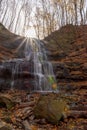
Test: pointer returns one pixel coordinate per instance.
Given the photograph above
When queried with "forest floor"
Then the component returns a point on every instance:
(16, 112)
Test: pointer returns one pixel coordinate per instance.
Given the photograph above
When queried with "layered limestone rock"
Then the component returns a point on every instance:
(9, 44)
(68, 53)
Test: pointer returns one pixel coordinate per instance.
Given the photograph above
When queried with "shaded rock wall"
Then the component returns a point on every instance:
(17, 75)
(68, 53)
(9, 44)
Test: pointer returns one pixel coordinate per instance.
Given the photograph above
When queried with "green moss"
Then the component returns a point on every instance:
(51, 79)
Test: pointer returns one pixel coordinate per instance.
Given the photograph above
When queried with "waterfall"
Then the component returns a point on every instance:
(41, 69)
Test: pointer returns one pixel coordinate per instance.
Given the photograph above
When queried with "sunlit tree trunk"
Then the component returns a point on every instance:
(75, 8)
(5, 11)
(81, 9)
(14, 7)
(0, 4)
(18, 17)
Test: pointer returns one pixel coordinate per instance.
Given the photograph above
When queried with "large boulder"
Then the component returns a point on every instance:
(50, 108)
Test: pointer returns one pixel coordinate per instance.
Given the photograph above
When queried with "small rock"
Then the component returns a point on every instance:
(4, 126)
(26, 125)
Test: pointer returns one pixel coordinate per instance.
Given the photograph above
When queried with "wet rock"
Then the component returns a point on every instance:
(16, 73)
(53, 110)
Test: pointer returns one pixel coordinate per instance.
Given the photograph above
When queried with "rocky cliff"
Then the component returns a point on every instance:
(9, 44)
(68, 53)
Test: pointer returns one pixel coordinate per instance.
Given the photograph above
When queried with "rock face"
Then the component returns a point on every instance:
(9, 44)
(69, 56)
(16, 74)
(28, 68)
(68, 53)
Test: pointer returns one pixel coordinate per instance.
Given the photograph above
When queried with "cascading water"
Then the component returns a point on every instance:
(41, 69)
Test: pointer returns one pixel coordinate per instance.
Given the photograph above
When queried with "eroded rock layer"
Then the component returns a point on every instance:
(68, 53)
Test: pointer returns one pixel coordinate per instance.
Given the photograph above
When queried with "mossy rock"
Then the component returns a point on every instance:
(53, 110)
(5, 101)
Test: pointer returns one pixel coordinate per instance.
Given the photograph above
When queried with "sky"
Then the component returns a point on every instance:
(30, 31)
(18, 22)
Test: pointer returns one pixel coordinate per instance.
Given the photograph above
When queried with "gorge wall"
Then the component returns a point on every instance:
(9, 44)
(67, 50)
(68, 53)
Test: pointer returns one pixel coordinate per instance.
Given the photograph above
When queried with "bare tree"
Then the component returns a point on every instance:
(45, 16)
(6, 9)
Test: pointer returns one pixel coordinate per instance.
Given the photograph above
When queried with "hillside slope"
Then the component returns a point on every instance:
(9, 42)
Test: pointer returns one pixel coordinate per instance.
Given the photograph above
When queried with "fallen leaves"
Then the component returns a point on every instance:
(21, 116)
(33, 127)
